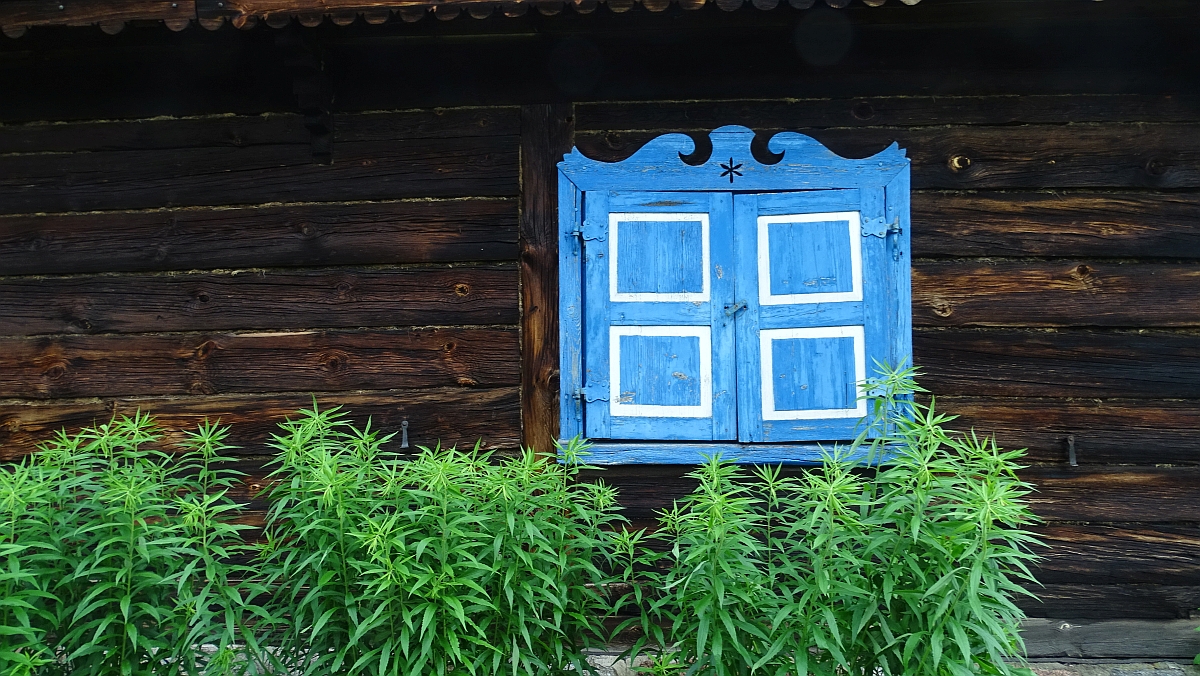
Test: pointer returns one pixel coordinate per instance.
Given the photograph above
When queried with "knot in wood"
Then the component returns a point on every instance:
(334, 361)
(1155, 167)
(461, 289)
(943, 308)
(344, 288)
(56, 371)
(862, 111)
(958, 163)
(203, 350)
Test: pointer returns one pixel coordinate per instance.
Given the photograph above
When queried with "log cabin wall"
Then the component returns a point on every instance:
(182, 234)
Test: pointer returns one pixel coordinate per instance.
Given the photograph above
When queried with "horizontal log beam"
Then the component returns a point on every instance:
(1112, 555)
(363, 233)
(220, 363)
(1031, 156)
(259, 299)
(1055, 293)
(1053, 363)
(450, 415)
(212, 176)
(1103, 602)
(1111, 639)
(1070, 224)
(1118, 431)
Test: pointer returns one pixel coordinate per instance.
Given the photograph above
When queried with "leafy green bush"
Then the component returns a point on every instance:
(450, 563)
(908, 567)
(116, 554)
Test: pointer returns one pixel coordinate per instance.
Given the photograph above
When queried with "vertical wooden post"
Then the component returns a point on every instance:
(547, 132)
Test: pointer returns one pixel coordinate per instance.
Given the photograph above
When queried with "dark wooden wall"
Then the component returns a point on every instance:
(180, 234)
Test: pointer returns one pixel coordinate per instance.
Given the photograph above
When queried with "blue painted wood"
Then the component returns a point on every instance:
(811, 257)
(626, 453)
(660, 370)
(656, 255)
(570, 309)
(806, 164)
(813, 373)
(660, 257)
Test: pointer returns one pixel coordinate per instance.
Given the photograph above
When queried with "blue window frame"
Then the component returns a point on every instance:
(729, 306)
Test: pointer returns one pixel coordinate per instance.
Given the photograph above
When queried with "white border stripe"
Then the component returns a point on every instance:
(765, 297)
(616, 217)
(766, 358)
(617, 408)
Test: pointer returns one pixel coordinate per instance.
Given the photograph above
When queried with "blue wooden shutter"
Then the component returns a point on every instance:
(816, 273)
(658, 342)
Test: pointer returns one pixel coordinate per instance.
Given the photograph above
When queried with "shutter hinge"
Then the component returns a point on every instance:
(581, 395)
(879, 227)
(578, 232)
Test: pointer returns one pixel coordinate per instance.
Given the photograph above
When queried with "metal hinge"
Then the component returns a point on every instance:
(879, 227)
(731, 310)
(581, 395)
(578, 232)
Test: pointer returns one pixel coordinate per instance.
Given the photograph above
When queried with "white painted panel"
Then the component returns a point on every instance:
(619, 408)
(613, 248)
(766, 359)
(765, 297)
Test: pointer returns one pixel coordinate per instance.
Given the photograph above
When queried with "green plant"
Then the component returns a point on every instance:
(116, 554)
(449, 563)
(905, 566)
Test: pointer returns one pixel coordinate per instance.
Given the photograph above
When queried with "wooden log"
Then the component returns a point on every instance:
(545, 136)
(1070, 224)
(1128, 554)
(1115, 494)
(84, 12)
(880, 111)
(305, 361)
(1121, 431)
(362, 170)
(1111, 639)
(1056, 363)
(364, 233)
(1055, 293)
(259, 299)
(451, 415)
(1032, 156)
(1103, 602)
(245, 131)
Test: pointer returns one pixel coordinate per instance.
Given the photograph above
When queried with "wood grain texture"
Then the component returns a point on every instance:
(1125, 554)
(1055, 293)
(259, 299)
(1032, 156)
(1120, 431)
(1115, 493)
(364, 233)
(1051, 363)
(452, 415)
(361, 170)
(546, 134)
(87, 12)
(1118, 224)
(307, 361)
(883, 111)
(1104, 602)
(1112, 639)
(242, 131)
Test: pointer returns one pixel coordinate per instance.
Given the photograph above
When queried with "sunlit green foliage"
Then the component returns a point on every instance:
(905, 567)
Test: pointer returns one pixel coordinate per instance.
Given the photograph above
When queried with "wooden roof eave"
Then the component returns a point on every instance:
(17, 16)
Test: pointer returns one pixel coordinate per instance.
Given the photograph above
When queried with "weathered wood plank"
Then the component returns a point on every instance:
(361, 170)
(1071, 224)
(307, 361)
(1115, 494)
(244, 131)
(1054, 363)
(363, 233)
(1127, 554)
(259, 299)
(1055, 293)
(82, 13)
(1032, 156)
(1113, 639)
(1120, 431)
(452, 415)
(546, 135)
(880, 111)
(1102, 602)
